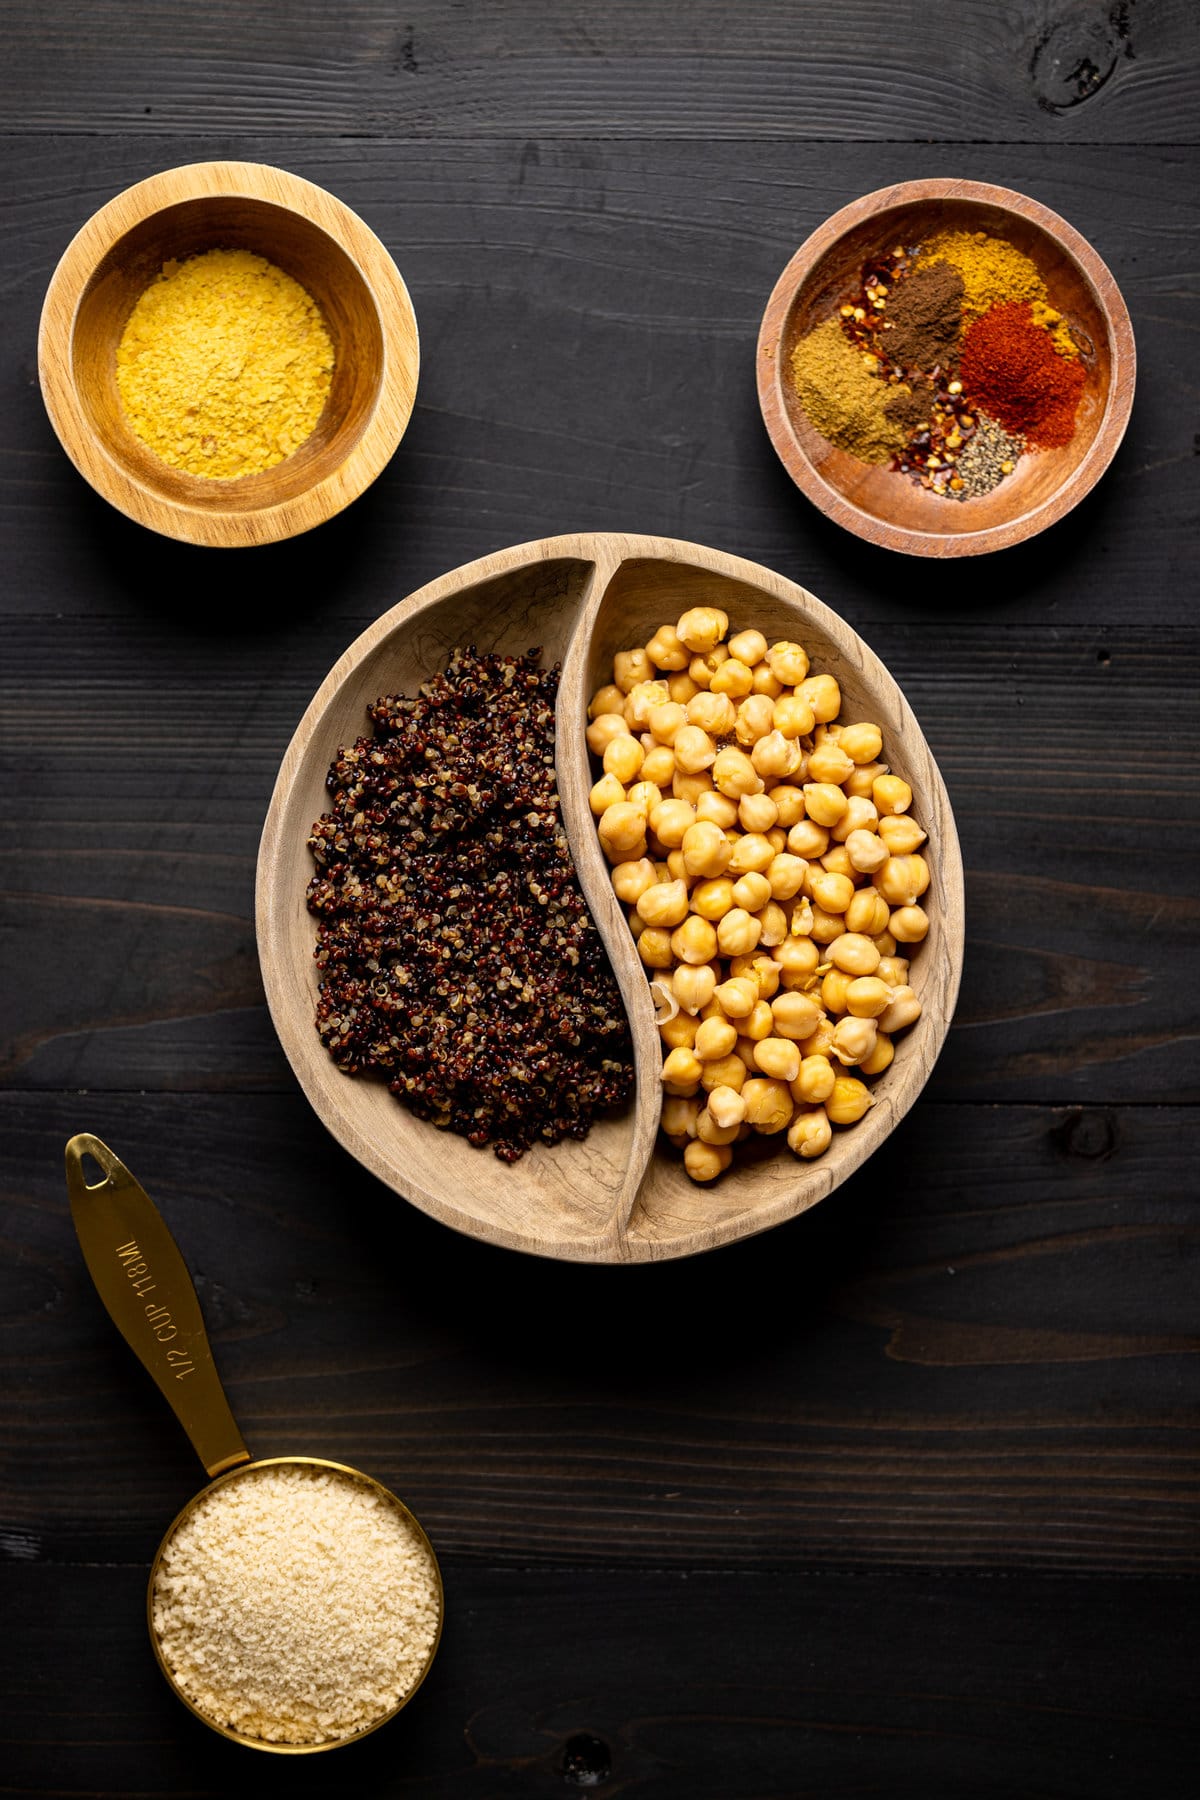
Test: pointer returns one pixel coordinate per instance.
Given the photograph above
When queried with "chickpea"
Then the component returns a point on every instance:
(679, 1033)
(836, 862)
(901, 834)
(654, 946)
(795, 1016)
(737, 997)
(752, 891)
(858, 783)
(691, 788)
(788, 662)
(757, 813)
(774, 922)
(754, 719)
(702, 628)
(777, 838)
(854, 953)
(664, 904)
(645, 795)
(810, 1134)
(862, 743)
(860, 815)
(891, 795)
(807, 838)
(824, 802)
(848, 1102)
(724, 1071)
(834, 989)
(832, 893)
(733, 678)
(734, 774)
(670, 820)
(904, 1010)
(665, 650)
(909, 924)
(706, 850)
(693, 988)
(885, 943)
(902, 879)
(826, 927)
(681, 687)
(726, 1106)
(776, 756)
(694, 750)
(605, 793)
(695, 941)
(717, 809)
(631, 879)
(893, 970)
(665, 720)
(778, 1057)
(824, 695)
(792, 716)
(760, 1024)
(607, 700)
(702, 668)
(764, 971)
(630, 667)
(738, 932)
(678, 1118)
(714, 713)
(880, 1057)
(828, 762)
(789, 803)
(853, 1039)
(866, 914)
(768, 1104)
(814, 1082)
(821, 1041)
(640, 701)
(709, 1132)
(622, 827)
(601, 732)
(659, 766)
(623, 758)
(681, 1069)
(765, 682)
(713, 899)
(867, 852)
(752, 853)
(715, 1038)
(867, 997)
(785, 875)
(704, 1162)
(798, 958)
(748, 646)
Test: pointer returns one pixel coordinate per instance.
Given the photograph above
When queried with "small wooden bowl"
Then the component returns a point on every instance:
(889, 508)
(312, 237)
(621, 1195)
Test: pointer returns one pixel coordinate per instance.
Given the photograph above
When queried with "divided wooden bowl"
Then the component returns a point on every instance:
(622, 1194)
(888, 508)
(312, 237)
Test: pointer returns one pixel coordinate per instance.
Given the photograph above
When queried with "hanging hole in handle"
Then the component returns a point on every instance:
(88, 1164)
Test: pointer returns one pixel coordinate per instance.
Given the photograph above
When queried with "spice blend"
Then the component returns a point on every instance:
(949, 341)
(296, 1605)
(769, 862)
(458, 958)
(224, 365)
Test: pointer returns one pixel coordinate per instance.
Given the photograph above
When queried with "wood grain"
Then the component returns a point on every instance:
(318, 242)
(633, 410)
(1101, 73)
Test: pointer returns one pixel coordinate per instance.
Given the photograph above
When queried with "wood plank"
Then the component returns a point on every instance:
(127, 904)
(980, 1354)
(588, 316)
(730, 1687)
(1112, 72)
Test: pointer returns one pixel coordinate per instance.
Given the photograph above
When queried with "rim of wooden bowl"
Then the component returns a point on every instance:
(867, 525)
(119, 484)
(793, 1185)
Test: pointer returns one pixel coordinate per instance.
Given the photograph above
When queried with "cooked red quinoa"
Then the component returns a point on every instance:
(457, 954)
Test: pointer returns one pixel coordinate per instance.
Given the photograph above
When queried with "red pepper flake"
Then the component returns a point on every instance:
(1012, 370)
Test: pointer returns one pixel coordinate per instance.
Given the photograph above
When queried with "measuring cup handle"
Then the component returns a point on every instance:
(143, 1281)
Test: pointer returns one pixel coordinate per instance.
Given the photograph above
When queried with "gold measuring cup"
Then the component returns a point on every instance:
(143, 1281)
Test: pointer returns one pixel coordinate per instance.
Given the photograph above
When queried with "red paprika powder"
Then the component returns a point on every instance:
(1011, 370)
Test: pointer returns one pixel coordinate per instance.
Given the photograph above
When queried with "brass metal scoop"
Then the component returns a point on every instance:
(143, 1281)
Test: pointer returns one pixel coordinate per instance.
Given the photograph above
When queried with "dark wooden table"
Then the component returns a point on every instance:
(900, 1499)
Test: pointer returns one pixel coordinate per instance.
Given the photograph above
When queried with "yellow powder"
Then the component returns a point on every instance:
(224, 366)
(993, 272)
(844, 400)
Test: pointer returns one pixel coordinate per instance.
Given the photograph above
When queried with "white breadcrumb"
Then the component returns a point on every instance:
(296, 1605)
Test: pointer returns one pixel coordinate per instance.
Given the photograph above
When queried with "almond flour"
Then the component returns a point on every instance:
(296, 1605)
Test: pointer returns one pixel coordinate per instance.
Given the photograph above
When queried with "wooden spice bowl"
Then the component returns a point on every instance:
(889, 508)
(622, 1194)
(312, 237)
